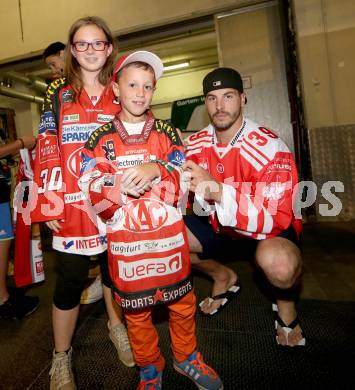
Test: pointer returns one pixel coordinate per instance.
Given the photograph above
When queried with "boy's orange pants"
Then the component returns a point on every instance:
(144, 337)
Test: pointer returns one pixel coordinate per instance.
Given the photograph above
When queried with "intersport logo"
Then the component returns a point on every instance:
(145, 215)
(147, 268)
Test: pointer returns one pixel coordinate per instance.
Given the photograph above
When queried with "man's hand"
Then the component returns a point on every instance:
(136, 181)
(54, 225)
(201, 182)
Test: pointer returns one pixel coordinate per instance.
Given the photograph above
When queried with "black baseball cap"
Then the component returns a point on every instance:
(222, 78)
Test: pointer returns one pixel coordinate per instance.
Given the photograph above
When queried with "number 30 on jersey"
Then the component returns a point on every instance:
(51, 180)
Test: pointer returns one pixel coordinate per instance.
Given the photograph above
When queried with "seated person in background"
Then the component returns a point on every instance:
(245, 175)
(13, 304)
(137, 157)
(53, 56)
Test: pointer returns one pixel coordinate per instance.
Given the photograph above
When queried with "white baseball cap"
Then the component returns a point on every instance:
(141, 56)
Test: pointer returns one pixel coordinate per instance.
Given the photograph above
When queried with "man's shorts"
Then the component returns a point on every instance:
(220, 246)
(6, 232)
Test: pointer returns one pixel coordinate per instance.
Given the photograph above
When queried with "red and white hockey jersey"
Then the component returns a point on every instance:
(147, 243)
(258, 175)
(28, 259)
(66, 124)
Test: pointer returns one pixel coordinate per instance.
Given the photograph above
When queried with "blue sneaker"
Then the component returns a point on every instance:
(150, 378)
(204, 377)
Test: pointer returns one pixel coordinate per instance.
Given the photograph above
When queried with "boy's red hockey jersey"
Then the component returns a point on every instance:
(66, 124)
(259, 176)
(147, 243)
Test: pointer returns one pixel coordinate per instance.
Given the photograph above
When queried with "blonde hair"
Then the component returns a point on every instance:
(72, 68)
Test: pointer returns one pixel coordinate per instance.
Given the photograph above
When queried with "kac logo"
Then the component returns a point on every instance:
(145, 215)
(74, 162)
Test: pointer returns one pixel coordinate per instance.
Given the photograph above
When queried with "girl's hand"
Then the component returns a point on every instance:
(54, 225)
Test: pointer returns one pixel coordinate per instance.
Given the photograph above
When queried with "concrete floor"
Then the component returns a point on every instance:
(25, 346)
(329, 261)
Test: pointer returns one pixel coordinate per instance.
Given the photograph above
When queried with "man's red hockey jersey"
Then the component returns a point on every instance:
(259, 176)
(147, 243)
(66, 124)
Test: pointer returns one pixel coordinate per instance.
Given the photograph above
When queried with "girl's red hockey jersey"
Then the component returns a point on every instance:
(259, 179)
(147, 243)
(66, 124)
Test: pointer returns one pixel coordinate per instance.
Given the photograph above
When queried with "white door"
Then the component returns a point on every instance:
(250, 41)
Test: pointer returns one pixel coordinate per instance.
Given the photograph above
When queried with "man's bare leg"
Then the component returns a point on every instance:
(223, 277)
(281, 262)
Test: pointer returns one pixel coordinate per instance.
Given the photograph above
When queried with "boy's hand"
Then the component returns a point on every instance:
(136, 181)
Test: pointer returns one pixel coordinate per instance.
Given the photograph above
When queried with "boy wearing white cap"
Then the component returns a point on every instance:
(131, 175)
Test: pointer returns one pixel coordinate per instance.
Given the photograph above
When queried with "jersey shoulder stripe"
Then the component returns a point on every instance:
(99, 133)
(51, 99)
(255, 152)
(197, 148)
(56, 85)
(203, 136)
(251, 159)
(165, 127)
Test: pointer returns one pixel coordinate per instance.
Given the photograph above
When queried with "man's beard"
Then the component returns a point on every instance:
(224, 125)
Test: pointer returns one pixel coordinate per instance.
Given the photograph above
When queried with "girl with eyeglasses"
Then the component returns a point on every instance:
(74, 107)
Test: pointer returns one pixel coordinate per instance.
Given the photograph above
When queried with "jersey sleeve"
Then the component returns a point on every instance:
(265, 206)
(99, 179)
(47, 195)
(171, 157)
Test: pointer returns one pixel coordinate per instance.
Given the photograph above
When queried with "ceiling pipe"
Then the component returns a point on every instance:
(20, 95)
(28, 80)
